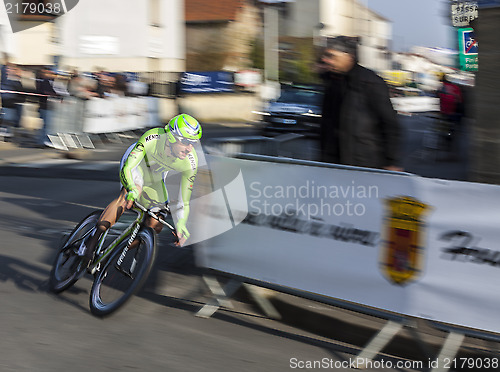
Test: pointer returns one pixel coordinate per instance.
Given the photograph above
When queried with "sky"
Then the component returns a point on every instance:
(416, 22)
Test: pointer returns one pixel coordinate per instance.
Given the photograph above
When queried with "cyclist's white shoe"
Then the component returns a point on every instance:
(82, 249)
(86, 254)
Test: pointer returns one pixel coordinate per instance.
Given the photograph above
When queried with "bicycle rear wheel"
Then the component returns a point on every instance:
(117, 282)
(67, 265)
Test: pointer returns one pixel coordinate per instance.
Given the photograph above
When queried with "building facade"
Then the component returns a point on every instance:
(319, 19)
(219, 34)
(179, 35)
(114, 35)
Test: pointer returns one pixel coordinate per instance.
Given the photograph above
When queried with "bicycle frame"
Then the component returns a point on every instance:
(133, 227)
(131, 230)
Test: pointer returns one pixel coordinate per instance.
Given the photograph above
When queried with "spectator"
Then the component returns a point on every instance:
(61, 84)
(82, 87)
(450, 101)
(102, 87)
(451, 107)
(73, 77)
(44, 86)
(3, 69)
(108, 82)
(120, 86)
(104, 84)
(359, 126)
(12, 103)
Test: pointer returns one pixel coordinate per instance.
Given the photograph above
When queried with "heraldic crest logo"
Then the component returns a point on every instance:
(402, 253)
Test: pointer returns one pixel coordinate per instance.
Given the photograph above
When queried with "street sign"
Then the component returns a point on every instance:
(468, 49)
(463, 13)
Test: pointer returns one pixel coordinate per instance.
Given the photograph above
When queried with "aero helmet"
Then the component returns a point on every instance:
(183, 128)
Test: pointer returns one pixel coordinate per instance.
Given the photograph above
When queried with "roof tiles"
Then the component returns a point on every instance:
(212, 10)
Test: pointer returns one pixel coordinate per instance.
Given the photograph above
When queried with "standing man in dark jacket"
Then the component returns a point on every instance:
(359, 125)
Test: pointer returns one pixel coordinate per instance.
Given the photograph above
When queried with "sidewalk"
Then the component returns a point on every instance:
(20, 156)
(24, 150)
(12, 153)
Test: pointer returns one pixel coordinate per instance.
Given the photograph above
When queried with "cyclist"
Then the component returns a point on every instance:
(143, 170)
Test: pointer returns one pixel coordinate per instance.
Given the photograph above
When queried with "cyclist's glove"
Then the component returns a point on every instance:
(181, 229)
(132, 195)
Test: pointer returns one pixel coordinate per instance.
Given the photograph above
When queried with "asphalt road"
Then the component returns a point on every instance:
(156, 331)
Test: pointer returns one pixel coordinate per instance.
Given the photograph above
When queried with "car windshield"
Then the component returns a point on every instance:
(301, 96)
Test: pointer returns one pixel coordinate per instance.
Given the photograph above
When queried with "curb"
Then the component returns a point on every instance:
(27, 158)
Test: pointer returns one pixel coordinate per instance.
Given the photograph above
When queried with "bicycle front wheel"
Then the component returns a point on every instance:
(121, 277)
(67, 265)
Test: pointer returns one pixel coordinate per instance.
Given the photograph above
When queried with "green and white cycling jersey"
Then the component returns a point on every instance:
(146, 165)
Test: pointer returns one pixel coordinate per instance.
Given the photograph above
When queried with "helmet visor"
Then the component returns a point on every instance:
(185, 141)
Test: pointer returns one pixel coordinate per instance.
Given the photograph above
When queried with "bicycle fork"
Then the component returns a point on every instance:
(124, 253)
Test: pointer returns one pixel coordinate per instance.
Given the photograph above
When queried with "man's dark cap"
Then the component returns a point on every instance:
(346, 44)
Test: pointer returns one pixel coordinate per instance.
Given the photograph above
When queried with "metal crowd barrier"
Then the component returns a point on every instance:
(289, 145)
(77, 123)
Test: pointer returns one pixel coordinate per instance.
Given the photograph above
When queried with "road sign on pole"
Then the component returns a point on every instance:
(468, 49)
(463, 13)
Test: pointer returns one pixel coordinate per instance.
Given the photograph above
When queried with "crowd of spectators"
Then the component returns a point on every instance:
(100, 84)
(44, 85)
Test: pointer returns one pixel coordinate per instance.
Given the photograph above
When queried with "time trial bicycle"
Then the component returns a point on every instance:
(119, 268)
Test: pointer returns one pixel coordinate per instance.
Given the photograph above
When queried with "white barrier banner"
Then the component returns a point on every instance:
(309, 228)
(462, 270)
(99, 116)
(400, 243)
(118, 114)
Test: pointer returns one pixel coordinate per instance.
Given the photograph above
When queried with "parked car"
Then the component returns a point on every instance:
(298, 109)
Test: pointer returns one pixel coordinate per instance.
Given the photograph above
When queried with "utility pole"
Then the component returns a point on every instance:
(271, 47)
(485, 132)
(271, 53)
